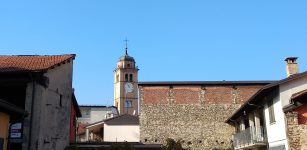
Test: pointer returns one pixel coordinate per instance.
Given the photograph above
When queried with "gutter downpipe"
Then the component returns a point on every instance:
(32, 110)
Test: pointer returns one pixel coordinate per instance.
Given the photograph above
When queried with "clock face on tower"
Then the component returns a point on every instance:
(128, 87)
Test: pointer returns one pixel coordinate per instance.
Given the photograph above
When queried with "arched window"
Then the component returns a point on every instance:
(126, 77)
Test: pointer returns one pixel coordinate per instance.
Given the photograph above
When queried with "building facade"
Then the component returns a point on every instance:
(123, 128)
(95, 113)
(274, 115)
(90, 125)
(193, 112)
(42, 86)
(125, 85)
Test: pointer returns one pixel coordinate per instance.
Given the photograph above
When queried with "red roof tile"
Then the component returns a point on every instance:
(31, 63)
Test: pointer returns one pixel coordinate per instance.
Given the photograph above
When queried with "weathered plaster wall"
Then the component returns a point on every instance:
(51, 111)
(297, 133)
(194, 114)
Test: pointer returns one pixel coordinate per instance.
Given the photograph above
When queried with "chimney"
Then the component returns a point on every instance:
(291, 66)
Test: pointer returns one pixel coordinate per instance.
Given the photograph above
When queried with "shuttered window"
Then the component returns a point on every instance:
(271, 111)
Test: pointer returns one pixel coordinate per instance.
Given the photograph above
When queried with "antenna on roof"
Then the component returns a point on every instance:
(126, 40)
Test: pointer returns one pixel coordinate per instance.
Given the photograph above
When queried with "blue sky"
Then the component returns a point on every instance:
(171, 40)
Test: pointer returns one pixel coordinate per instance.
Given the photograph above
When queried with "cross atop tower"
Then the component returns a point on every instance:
(126, 40)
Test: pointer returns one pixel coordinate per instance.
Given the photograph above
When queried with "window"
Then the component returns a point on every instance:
(271, 111)
(126, 77)
(128, 104)
(85, 113)
(128, 65)
(131, 78)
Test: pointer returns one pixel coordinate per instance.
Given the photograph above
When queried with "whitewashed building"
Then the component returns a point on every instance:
(91, 123)
(261, 123)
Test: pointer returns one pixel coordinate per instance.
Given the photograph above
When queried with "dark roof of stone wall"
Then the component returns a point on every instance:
(97, 106)
(161, 83)
(125, 119)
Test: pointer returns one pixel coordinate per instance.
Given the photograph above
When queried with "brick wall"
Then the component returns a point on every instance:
(194, 114)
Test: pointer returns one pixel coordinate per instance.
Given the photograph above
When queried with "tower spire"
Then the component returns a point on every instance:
(126, 49)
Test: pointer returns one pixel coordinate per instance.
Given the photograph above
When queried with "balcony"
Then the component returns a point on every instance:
(252, 137)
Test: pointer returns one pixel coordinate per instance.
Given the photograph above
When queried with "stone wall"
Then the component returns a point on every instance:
(297, 133)
(192, 113)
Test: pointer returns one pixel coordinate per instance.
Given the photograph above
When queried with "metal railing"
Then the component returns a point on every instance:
(249, 137)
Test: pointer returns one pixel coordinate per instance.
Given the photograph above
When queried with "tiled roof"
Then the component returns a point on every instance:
(31, 63)
(298, 95)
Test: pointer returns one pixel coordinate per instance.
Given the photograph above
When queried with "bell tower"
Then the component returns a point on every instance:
(125, 85)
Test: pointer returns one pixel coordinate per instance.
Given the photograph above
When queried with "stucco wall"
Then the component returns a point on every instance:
(121, 133)
(194, 114)
(276, 132)
(51, 111)
(287, 89)
(96, 114)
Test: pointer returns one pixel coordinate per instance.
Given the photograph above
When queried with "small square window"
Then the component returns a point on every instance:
(86, 113)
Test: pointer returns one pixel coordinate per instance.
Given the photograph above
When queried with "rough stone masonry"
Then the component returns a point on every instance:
(193, 112)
